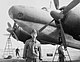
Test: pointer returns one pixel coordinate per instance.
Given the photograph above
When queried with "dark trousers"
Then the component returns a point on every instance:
(17, 54)
(32, 60)
(29, 60)
(36, 60)
(61, 59)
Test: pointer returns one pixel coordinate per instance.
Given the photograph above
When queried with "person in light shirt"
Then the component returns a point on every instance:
(32, 49)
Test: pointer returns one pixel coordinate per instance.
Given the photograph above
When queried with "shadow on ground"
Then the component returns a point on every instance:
(22, 60)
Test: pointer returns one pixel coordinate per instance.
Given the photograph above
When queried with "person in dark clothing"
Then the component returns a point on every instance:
(61, 54)
(17, 52)
(32, 49)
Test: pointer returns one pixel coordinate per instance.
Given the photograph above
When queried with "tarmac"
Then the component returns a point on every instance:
(22, 60)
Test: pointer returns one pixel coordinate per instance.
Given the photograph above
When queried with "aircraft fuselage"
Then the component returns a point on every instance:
(71, 23)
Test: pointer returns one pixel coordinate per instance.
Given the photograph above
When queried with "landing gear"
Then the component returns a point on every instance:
(62, 42)
(61, 56)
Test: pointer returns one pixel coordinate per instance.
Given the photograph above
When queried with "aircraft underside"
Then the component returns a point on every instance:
(31, 18)
(49, 35)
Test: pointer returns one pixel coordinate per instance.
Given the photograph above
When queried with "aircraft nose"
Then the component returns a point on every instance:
(11, 12)
(15, 12)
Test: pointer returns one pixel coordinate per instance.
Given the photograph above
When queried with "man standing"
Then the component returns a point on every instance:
(17, 52)
(61, 54)
(32, 49)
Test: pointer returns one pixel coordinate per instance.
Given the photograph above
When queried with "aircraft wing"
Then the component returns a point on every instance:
(48, 35)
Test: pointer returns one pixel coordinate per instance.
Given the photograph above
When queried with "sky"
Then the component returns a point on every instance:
(4, 17)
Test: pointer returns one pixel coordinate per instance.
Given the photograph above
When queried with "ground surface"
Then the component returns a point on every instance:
(21, 60)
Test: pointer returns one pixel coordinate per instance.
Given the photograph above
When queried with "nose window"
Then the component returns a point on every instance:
(20, 15)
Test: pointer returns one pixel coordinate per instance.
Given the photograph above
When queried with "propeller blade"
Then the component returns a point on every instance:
(9, 35)
(9, 25)
(45, 26)
(62, 35)
(10, 30)
(6, 34)
(56, 3)
(15, 36)
(70, 6)
(14, 25)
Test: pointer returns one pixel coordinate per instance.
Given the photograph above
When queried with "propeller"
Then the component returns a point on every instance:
(56, 3)
(58, 15)
(68, 7)
(45, 26)
(62, 35)
(12, 29)
(9, 25)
